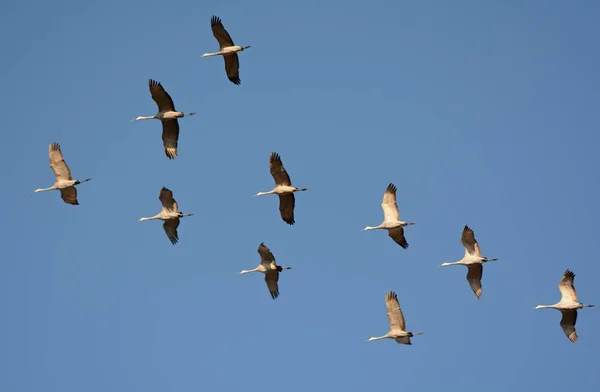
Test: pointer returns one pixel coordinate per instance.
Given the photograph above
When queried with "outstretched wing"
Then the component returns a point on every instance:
(69, 195)
(389, 205)
(160, 96)
(170, 136)
(278, 172)
(569, 318)
(469, 242)
(170, 227)
(394, 312)
(567, 287)
(474, 274)
(403, 340)
(220, 33)
(58, 164)
(232, 68)
(397, 235)
(287, 202)
(272, 277)
(167, 200)
(266, 257)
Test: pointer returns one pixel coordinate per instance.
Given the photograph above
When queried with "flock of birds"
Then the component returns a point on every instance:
(170, 214)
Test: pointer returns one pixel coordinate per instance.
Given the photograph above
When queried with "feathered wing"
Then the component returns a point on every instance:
(567, 287)
(170, 136)
(389, 205)
(167, 200)
(397, 234)
(69, 195)
(287, 202)
(567, 322)
(403, 340)
(271, 278)
(266, 256)
(394, 312)
(58, 164)
(220, 33)
(474, 274)
(232, 68)
(278, 172)
(160, 96)
(469, 242)
(170, 226)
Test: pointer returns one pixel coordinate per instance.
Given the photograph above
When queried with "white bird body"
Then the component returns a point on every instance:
(567, 305)
(283, 188)
(227, 49)
(169, 214)
(397, 323)
(472, 259)
(391, 218)
(62, 174)
(269, 267)
(168, 117)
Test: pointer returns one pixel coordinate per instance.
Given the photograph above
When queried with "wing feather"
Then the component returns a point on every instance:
(389, 205)
(395, 316)
(397, 234)
(58, 164)
(469, 242)
(220, 33)
(232, 68)
(170, 136)
(474, 274)
(567, 287)
(567, 322)
(69, 195)
(266, 256)
(167, 200)
(161, 97)
(170, 226)
(280, 175)
(287, 202)
(272, 278)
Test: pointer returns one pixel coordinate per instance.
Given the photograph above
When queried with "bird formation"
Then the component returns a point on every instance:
(170, 214)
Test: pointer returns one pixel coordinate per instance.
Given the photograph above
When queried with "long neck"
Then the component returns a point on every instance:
(248, 271)
(150, 218)
(138, 118)
(377, 338)
(545, 307)
(372, 227)
(454, 263)
(264, 193)
(44, 189)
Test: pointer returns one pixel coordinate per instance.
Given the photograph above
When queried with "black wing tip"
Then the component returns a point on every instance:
(289, 221)
(391, 188)
(55, 146)
(274, 294)
(467, 229)
(154, 83)
(215, 20)
(174, 240)
(569, 274)
(391, 295)
(274, 157)
(236, 81)
(404, 245)
(165, 189)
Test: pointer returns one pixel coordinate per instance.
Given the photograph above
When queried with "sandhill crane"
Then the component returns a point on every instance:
(167, 115)
(283, 188)
(63, 180)
(391, 220)
(397, 325)
(227, 49)
(169, 214)
(567, 305)
(472, 260)
(269, 267)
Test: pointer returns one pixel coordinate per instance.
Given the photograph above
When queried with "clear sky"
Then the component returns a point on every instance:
(481, 112)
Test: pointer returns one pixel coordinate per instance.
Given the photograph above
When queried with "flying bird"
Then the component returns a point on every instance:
(472, 259)
(283, 188)
(63, 180)
(567, 305)
(167, 115)
(169, 214)
(391, 218)
(227, 49)
(269, 267)
(397, 324)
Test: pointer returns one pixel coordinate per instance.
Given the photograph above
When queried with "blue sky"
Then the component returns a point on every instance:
(482, 113)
